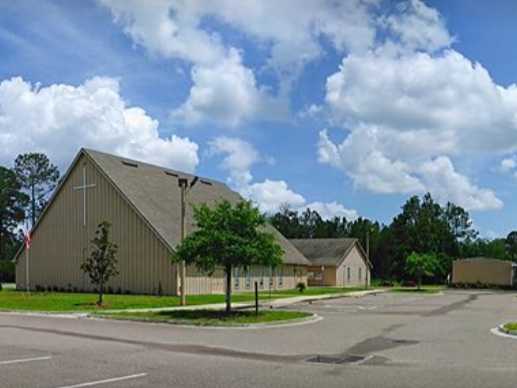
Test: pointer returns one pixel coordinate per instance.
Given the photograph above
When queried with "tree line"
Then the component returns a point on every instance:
(24, 192)
(423, 226)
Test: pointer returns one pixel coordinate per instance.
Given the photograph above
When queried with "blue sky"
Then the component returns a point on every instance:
(348, 108)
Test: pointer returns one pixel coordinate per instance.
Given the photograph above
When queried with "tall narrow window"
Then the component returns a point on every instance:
(248, 278)
(348, 274)
(271, 275)
(281, 277)
(360, 274)
(236, 278)
(261, 280)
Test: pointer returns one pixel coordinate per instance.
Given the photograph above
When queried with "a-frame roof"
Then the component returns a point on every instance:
(328, 251)
(154, 193)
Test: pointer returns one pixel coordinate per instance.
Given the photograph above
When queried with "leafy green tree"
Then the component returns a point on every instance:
(419, 265)
(101, 265)
(12, 204)
(38, 178)
(229, 236)
(511, 244)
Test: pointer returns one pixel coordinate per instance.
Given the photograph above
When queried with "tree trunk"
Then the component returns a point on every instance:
(101, 293)
(419, 282)
(228, 290)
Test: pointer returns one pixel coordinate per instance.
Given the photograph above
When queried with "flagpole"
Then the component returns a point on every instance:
(27, 271)
(27, 256)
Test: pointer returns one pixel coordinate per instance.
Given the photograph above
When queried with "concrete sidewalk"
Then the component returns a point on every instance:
(275, 303)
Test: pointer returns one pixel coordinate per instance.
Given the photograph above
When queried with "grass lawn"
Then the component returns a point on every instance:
(423, 289)
(84, 302)
(210, 317)
(511, 327)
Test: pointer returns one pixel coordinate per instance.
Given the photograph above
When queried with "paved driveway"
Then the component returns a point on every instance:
(388, 340)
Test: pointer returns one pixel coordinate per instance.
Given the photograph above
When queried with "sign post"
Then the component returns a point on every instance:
(256, 299)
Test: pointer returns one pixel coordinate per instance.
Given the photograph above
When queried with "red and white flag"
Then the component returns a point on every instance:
(28, 240)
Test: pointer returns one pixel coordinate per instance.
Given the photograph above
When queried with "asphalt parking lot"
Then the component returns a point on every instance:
(388, 340)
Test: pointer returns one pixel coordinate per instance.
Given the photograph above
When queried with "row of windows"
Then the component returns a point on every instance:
(237, 272)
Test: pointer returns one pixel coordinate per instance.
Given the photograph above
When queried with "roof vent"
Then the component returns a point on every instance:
(206, 182)
(171, 174)
(129, 164)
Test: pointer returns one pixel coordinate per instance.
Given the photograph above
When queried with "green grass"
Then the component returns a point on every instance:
(85, 302)
(209, 317)
(423, 289)
(511, 327)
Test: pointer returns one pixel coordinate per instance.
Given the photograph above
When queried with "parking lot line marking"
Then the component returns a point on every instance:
(112, 380)
(8, 362)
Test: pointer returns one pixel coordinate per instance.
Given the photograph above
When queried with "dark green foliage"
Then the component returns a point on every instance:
(101, 266)
(12, 204)
(511, 245)
(38, 178)
(229, 236)
(301, 287)
(419, 265)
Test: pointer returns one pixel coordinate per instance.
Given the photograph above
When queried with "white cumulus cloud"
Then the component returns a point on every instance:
(60, 119)
(239, 156)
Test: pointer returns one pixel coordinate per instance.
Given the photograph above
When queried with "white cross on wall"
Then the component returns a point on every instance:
(85, 186)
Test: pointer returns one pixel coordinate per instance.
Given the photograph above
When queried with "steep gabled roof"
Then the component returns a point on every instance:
(154, 194)
(328, 251)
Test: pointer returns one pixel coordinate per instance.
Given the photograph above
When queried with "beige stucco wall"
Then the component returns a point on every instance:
(493, 272)
(320, 278)
(61, 241)
(359, 271)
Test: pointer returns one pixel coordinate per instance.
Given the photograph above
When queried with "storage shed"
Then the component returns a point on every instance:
(484, 270)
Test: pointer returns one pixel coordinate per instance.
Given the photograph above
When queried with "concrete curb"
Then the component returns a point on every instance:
(314, 318)
(502, 332)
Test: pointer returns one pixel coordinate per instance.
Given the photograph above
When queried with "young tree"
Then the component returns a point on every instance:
(229, 236)
(420, 265)
(101, 266)
(12, 204)
(38, 178)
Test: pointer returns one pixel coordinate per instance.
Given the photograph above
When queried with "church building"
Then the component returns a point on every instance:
(143, 204)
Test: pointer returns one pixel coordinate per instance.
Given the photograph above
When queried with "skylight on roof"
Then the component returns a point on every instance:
(129, 164)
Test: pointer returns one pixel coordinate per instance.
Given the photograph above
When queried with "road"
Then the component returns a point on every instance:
(386, 340)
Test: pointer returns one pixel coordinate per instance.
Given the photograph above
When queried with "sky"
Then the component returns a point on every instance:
(346, 107)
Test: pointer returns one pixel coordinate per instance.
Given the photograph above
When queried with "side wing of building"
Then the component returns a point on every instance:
(61, 239)
(353, 270)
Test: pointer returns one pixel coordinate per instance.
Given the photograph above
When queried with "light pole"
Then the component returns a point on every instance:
(185, 188)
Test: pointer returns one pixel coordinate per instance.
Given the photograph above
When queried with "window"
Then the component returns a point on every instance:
(280, 277)
(271, 274)
(348, 274)
(248, 278)
(261, 280)
(236, 278)
(360, 274)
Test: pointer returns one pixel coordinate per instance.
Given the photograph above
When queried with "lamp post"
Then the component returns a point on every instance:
(185, 188)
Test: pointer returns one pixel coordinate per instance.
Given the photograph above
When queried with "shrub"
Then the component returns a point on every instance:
(301, 287)
(0, 286)
(119, 290)
(110, 290)
(7, 271)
